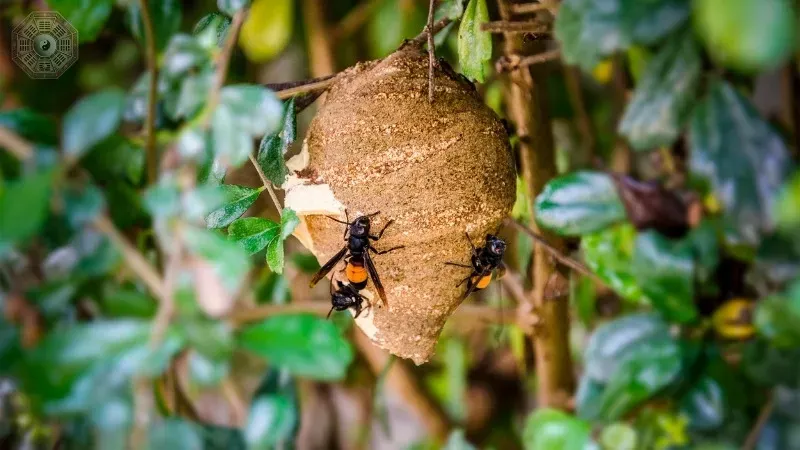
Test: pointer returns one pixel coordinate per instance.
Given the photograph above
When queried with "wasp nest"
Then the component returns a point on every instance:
(438, 170)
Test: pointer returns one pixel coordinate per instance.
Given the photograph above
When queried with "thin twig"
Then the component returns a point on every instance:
(513, 285)
(528, 8)
(133, 259)
(421, 38)
(16, 145)
(152, 94)
(556, 253)
(572, 77)
(267, 184)
(222, 63)
(501, 26)
(431, 49)
(302, 87)
(166, 307)
(507, 63)
(761, 421)
(234, 398)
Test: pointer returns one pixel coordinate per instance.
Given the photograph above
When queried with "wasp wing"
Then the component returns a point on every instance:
(471, 285)
(373, 274)
(328, 267)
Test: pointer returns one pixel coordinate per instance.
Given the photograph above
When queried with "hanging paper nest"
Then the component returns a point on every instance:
(438, 170)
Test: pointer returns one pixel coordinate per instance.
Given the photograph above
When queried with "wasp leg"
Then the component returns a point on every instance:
(358, 311)
(387, 251)
(462, 281)
(374, 237)
(457, 265)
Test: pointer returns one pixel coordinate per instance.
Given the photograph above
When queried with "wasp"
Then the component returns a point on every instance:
(484, 262)
(356, 253)
(346, 296)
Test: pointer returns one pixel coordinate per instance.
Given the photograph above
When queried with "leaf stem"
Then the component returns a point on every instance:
(528, 8)
(502, 26)
(16, 145)
(267, 184)
(431, 50)
(761, 421)
(234, 398)
(152, 94)
(507, 63)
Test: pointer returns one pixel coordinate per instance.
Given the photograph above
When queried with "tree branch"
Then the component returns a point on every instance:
(16, 145)
(761, 421)
(527, 109)
(507, 63)
(267, 184)
(222, 63)
(421, 38)
(431, 50)
(152, 94)
(505, 26)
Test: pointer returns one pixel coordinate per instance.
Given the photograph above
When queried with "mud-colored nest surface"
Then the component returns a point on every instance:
(439, 170)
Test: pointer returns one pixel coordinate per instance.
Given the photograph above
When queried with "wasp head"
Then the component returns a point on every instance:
(495, 245)
(360, 226)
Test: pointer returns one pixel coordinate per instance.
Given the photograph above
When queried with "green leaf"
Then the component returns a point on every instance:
(163, 199)
(613, 343)
(232, 145)
(126, 301)
(24, 205)
(206, 371)
(609, 254)
(618, 436)
(256, 109)
(745, 35)
(30, 125)
(254, 233)
(192, 97)
(451, 9)
(776, 318)
(230, 7)
(474, 45)
(587, 398)
(787, 208)
(183, 54)
(458, 441)
(664, 96)
(87, 17)
(305, 345)
(274, 146)
(665, 271)
(211, 172)
(82, 204)
(550, 429)
(172, 434)
(289, 222)
(267, 29)
(589, 30)
(91, 120)
(272, 420)
(212, 30)
(705, 404)
(651, 366)
(742, 158)
(165, 16)
(237, 200)
(579, 203)
(230, 262)
(115, 159)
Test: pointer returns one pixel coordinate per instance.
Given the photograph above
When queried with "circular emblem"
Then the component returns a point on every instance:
(44, 45)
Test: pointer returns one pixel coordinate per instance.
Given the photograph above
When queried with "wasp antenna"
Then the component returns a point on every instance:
(329, 314)
(373, 214)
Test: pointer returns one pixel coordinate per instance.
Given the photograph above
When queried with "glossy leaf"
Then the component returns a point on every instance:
(664, 96)
(24, 205)
(289, 222)
(474, 45)
(244, 112)
(183, 54)
(618, 436)
(82, 204)
(745, 35)
(305, 345)
(212, 30)
(393, 21)
(550, 429)
(193, 93)
(237, 199)
(254, 233)
(787, 208)
(742, 158)
(587, 398)
(273, 147)
(609, 254)
(579, 203)
(91, 120)
(458, 441)
(613, 343)
(87, 17)
(665, 271)
(30, 125)
(267, 29)
(206, 371)
(645, 371)
(272, 419)
(776, 318)
(705, 404)
(165, 16)
(589, 30)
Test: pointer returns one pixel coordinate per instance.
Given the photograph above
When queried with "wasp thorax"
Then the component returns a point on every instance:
(438, 170)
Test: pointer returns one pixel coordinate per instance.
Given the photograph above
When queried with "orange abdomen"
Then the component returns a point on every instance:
(355, 274)
(481, 283)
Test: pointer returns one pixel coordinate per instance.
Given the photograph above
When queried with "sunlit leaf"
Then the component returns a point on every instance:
(742, 158)
(305, 345)
(212, 30)
(745, 35)
(609, 254)
(91, 120)
(618, 436)
(254, 233)
(267, 29)
(474, 45)
(550, 429)
(237, 199)
(183, 53)
(272, 420)
(664, 96)
(579, 203)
